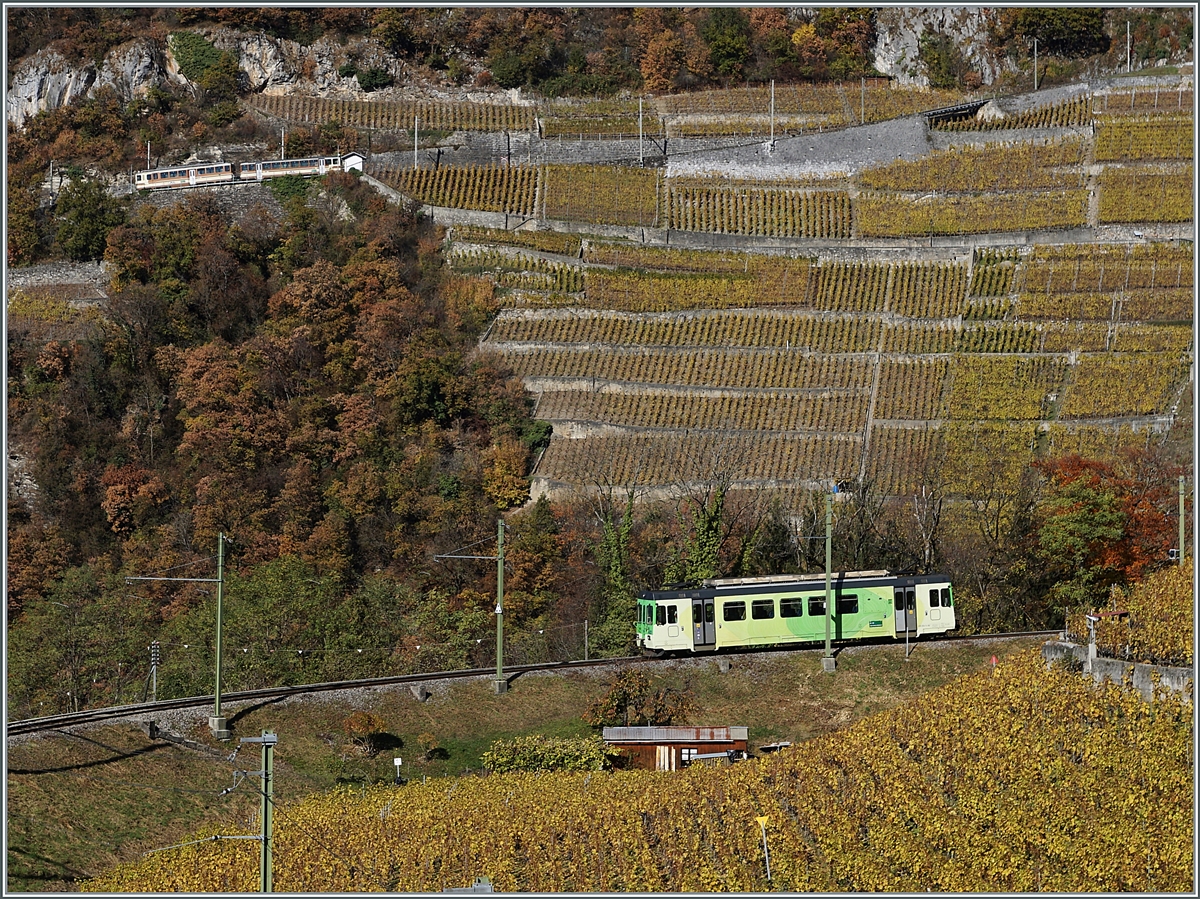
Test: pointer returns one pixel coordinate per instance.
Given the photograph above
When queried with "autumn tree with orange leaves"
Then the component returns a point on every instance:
(1103, 524)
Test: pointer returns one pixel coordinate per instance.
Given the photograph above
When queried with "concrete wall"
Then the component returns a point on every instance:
(1177, 680)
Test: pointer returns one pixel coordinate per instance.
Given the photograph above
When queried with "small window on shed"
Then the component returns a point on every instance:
(847, 605)
(672, 614)
(734, 611)
(761, 609)
(791, 607)
(816, 606)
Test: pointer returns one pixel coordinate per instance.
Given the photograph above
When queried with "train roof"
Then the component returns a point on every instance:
(790, 583)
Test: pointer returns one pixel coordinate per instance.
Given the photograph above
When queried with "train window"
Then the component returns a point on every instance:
(708, 612)
(661, 615)
(847, 605)
(761, 609)
(792, 607)
(816, 606)
(933, 598)
(672, 614)
(946, 597)
(899, 601)
(734, 611)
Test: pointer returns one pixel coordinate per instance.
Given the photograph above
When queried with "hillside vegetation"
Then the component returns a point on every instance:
(1019, 780)
(352, 398)
(82, 802)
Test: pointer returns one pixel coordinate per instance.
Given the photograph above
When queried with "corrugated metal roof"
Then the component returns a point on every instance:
(675, 734)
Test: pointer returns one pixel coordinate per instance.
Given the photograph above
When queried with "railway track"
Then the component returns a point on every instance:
(142, 710)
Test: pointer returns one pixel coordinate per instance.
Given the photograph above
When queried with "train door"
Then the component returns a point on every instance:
(906, 609)
(704, 627)
(933, 602)
(191, 177)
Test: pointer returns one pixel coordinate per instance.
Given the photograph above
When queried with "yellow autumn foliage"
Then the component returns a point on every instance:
(1023, 779)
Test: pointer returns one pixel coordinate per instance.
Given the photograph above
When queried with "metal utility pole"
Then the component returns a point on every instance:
(1182, 522)
(772, 113)
(1035, 63)
(416, 120)
(266, 808)
(154, 660)
(216, 723)
(641, 149)
(828, 663)
(1128, 48)
(501, 683)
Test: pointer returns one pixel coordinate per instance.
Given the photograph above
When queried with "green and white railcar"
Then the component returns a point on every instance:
(774, 611)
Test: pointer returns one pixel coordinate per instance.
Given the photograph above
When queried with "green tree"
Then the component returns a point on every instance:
(78, 647)
(219, 81)
(538, 752)
(1062, 31)
(85, 214)
(1100, 525)
(194, 54)
(943, 61)
(24, 236)
(616, 604)
(727, 33)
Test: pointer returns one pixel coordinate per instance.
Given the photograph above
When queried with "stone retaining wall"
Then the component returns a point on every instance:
(1140, 674)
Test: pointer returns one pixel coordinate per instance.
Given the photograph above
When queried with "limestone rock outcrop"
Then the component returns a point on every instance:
(899, 31)
(46, 80)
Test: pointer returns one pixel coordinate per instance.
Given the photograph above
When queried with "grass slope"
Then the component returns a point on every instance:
(80, 804)
(1022, 779)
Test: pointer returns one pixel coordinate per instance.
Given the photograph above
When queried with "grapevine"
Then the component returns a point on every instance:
(888, 215)
(1145, 194)
(1160, 626)
(494, 188)
(1107, 384)
(975, 814)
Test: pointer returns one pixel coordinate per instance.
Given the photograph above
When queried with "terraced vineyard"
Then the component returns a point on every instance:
(815, 359)
(1118, 157)
(399, 115)
(880, 369)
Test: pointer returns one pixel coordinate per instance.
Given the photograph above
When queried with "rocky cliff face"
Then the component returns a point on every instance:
(47, 81)
(900, 28)
(273, 66)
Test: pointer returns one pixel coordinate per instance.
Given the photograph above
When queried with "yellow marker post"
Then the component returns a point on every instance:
(762, 823)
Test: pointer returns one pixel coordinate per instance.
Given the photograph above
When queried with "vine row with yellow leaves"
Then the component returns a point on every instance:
(1107, 807)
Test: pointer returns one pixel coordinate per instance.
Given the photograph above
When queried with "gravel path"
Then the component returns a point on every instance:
(833, 153)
